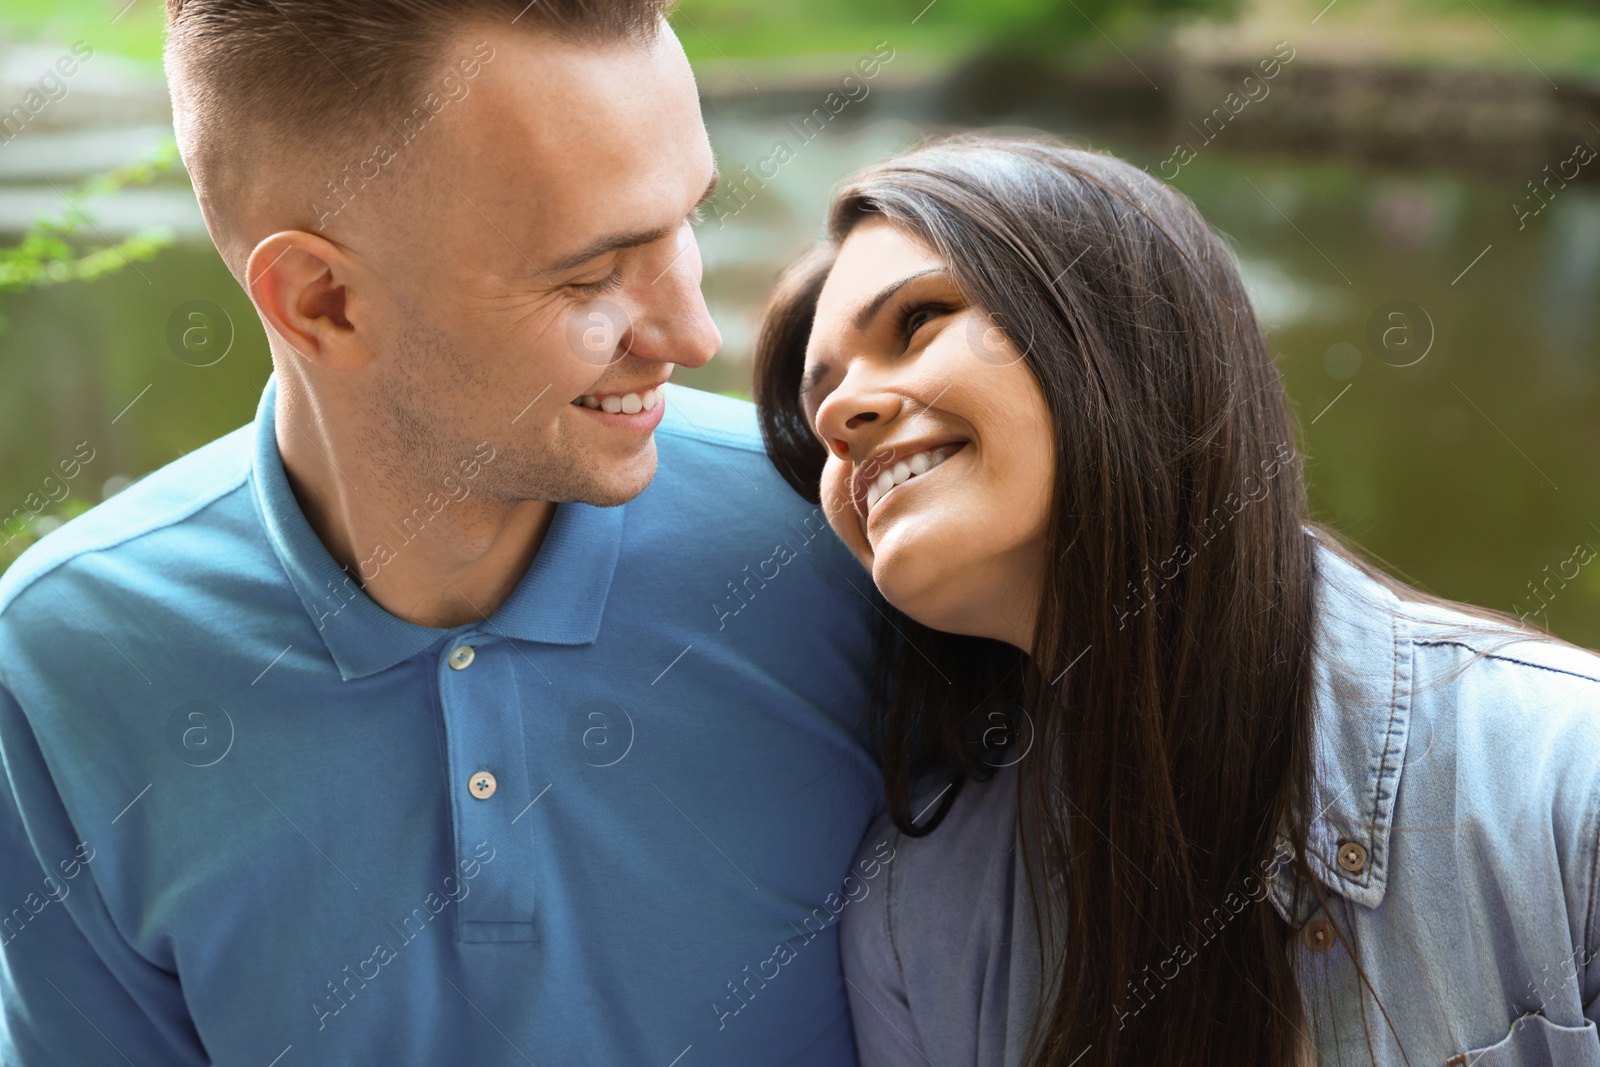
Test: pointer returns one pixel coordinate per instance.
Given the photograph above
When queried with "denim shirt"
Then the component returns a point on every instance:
(1457, 810)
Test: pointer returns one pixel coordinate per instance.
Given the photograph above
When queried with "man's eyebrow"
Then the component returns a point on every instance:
(618, 241)
(863, 317)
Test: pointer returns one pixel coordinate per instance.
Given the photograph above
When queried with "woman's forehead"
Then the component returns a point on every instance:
(874, 254)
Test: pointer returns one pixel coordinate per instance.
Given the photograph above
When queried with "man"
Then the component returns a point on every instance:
(487, 700)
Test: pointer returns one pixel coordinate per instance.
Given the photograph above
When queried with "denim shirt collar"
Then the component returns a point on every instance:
(560, 599)
(1361, 716)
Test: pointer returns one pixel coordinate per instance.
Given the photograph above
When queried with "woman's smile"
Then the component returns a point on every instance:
(895, 467)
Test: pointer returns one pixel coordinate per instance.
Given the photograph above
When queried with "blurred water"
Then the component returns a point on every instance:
(1472, 471)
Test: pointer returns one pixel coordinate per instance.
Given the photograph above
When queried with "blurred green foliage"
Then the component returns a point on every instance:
(50, 253)
(1561, 32)
(47, 253)
(718, 28)
(22, 528)
(128, 29)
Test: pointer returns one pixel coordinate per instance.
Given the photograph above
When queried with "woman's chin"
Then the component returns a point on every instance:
(919, 590)
(953, 595)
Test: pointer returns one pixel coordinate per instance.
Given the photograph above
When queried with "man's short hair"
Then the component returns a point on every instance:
(260, 84)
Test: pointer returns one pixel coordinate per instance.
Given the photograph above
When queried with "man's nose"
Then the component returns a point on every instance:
(676, 325)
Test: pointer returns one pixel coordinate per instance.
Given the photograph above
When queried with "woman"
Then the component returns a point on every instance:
(1171, 777)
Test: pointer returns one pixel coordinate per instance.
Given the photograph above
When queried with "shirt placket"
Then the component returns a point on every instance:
(491, 799)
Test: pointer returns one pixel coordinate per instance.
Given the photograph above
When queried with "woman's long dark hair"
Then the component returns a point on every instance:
(1167, 695)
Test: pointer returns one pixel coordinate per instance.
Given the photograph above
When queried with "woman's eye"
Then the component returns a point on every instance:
(606, 284)
(916, 316)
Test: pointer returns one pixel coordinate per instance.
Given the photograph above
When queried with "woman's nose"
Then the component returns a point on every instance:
(840, 447)
(845, 417)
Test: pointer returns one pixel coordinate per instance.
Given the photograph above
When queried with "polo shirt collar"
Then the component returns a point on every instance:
(1361, 717)
(560, 600)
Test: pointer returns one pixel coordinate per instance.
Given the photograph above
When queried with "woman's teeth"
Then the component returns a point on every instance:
(627, 403)
(903, 471)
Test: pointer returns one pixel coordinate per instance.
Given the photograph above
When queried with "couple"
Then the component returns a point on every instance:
(1031, 721)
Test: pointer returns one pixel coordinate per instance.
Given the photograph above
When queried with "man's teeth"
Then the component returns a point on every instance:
(903, 471)
(628, 403)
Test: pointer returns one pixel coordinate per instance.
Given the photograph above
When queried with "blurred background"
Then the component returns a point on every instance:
(1411, 186)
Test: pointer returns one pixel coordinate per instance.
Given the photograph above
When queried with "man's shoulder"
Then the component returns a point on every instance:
(717, 499)
(714, 458)
(163, 500)
(711, 419)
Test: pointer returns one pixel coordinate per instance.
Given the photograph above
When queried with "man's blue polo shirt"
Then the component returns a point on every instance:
(248, 817)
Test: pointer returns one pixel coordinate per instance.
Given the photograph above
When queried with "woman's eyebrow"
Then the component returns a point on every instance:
(809, 383)
(860, 321)
(864, 316)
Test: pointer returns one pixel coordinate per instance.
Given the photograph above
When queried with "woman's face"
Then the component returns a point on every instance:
(940, 447)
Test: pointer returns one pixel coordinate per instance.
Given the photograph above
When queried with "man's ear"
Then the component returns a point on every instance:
(301, 286)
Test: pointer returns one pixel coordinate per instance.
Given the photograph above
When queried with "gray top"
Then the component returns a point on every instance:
(1455, 829)
(943, 963)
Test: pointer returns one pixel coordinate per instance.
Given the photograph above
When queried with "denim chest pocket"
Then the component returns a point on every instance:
(1535, 1041)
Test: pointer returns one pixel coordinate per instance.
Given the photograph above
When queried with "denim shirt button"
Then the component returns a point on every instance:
(1319, 935)
(1352, 857)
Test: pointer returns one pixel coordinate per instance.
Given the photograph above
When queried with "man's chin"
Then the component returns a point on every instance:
(614, 488)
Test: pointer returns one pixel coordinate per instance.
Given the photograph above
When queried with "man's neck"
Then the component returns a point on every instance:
(455, 567)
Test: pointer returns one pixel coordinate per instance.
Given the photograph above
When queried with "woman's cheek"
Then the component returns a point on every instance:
(839, 507)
